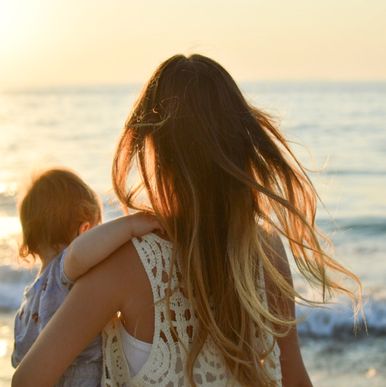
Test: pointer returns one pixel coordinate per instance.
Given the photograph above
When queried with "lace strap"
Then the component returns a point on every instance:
(116, 371)
(155, 255)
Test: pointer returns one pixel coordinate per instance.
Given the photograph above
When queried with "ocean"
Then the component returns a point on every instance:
(338, 130)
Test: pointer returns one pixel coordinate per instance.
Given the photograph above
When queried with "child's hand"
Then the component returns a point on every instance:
(143, 223)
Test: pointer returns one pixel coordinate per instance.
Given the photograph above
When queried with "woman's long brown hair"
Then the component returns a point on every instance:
(221, 177)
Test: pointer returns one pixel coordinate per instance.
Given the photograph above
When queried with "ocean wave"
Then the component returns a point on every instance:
(338, 321)
(334, 322)
(354, 172)
(13, 280)
(7, 203)
(364, 226)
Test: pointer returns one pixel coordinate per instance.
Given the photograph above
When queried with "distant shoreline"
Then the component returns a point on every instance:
(245, 85)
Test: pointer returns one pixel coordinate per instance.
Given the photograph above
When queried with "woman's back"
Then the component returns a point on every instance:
(165, 365)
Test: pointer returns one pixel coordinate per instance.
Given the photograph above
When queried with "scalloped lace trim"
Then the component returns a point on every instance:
(164, 366)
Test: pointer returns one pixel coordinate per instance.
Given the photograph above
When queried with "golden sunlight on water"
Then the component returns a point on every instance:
(6, 346)
(9, 188)
(9, 225)
(3, 347)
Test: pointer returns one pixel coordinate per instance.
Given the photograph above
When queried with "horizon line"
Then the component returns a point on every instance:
(137, 84)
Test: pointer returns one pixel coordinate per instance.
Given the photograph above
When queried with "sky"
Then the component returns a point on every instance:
(82, 42)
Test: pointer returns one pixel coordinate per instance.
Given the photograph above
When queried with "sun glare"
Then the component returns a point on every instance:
(44, 42)
(9, 13)
(19, 26)
(3, 347)
(9, 226)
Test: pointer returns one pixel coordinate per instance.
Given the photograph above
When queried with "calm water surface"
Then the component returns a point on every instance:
(337, 130)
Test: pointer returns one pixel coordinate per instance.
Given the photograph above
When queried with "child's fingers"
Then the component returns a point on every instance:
(150, 222)
(157, 226)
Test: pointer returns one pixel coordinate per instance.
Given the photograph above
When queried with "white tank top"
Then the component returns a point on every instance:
(136, 351)
(130, 362)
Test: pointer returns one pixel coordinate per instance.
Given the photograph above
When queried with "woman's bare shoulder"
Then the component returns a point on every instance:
(124, 265)
(274, 248)
(94, 299)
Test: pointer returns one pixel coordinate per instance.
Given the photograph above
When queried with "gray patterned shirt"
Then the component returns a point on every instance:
(40, 302)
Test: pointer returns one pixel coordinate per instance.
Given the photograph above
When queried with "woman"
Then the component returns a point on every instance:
(213, 304)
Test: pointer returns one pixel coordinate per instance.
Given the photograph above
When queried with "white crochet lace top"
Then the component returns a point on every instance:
(165, 364)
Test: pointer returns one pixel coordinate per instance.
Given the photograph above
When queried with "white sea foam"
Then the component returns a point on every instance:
(13, 280)
(337, 321)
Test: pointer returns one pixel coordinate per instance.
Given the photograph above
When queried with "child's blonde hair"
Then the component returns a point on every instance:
(54, 206)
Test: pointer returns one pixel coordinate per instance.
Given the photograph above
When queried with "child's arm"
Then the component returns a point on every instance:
(93, 246)
(80, 318)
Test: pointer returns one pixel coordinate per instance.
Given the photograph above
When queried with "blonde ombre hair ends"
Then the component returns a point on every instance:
(224, 183)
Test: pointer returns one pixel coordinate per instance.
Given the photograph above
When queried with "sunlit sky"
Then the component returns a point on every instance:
(72, 42)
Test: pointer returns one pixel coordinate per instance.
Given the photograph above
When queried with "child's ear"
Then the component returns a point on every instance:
(85, 226)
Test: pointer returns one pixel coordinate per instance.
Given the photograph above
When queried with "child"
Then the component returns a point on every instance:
(55, 213)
